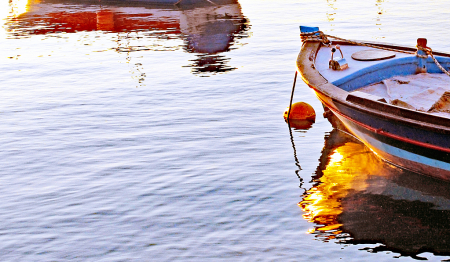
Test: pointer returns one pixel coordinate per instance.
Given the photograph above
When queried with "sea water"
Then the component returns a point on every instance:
(139, 132)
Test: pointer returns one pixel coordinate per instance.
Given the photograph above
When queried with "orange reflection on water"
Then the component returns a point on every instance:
(205, 28)
(347, 170)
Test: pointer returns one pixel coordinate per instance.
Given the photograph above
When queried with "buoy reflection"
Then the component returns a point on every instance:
(300, 124)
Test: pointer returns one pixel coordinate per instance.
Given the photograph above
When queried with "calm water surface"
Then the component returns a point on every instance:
(137, 132)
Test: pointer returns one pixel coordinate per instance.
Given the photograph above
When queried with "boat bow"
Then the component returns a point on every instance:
(411, 137)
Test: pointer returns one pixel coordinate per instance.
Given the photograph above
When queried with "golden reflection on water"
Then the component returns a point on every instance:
(347, 170)
(357, 198)
(18, 7)
(10, 10)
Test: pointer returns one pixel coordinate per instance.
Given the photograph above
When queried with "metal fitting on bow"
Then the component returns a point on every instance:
(337, 63)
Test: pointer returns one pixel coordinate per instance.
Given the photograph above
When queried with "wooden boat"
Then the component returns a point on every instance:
(394, 99)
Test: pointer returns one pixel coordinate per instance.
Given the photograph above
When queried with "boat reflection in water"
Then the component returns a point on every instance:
(207, 28)
(359, 199)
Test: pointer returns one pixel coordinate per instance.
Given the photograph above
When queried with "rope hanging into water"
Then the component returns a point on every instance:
(321, 37)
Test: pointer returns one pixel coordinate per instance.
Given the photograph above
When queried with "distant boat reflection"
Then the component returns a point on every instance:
(207, 28)
(359, 199)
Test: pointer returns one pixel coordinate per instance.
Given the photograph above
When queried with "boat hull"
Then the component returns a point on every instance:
(389, 139)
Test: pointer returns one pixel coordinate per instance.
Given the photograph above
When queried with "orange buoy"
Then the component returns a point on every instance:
(300, 111)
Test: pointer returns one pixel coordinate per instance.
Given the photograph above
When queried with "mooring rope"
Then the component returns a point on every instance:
(324, 39)
(429, 52)
(321, 37)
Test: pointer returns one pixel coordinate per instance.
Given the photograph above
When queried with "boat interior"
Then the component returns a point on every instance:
(396, 78)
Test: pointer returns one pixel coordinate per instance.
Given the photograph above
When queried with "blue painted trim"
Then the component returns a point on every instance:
(377, 73)
(308, 29)
(390, 68)
(432, 67)
(422, 61)
(394, 151)
(405, 154)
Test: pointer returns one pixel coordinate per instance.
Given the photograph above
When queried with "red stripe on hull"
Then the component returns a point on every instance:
(380, 131)
(397, 161)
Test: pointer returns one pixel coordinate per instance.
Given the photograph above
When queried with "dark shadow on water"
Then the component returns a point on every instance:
(210, 64)
(358, 199)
